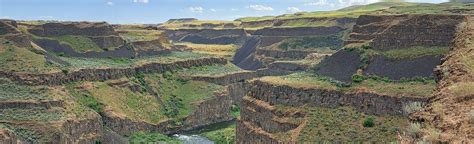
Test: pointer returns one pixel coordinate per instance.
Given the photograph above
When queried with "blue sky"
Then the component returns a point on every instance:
(157, 11)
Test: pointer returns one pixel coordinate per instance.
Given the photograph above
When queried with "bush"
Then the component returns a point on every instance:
(414, 130)
(369, 122)
(65, 71)
(412, 107)
(358, 78)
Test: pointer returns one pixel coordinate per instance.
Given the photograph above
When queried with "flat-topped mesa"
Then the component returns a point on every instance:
(387, 32)
(101, 33)
(344, 21)
(74, 28)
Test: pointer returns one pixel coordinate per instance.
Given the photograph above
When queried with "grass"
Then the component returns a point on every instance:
(412, 88)
(225, 135)
(180, 95)
(85, 99)
(12, 91)
(210, 70)
(35, 114)
(301, 80)
(141, 35)
(461, 89)
(415, 52)
(136, 106)
(16, 59)
(212, 49)
(148, 138)
(346, 124)
(25, 134)
(78, 43)
(78, 63)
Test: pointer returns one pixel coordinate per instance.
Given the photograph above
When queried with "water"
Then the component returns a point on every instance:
(193, 139)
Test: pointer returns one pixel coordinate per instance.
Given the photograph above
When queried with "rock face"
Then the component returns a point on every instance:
(9, 30)
(387, 32)
(340, 66)
(54, 46)
(405, 68)
(308, 21)
(300, 31)
(451, 110)
(208, 36)
(263, 96)
(58, 78)
(101, 33)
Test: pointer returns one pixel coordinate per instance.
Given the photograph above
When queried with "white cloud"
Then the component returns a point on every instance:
(197, 9)
(110, 3)
(260, 8)
(234, 9)
(293, 10)
(318, 3)
(213, 10)
(141, 1)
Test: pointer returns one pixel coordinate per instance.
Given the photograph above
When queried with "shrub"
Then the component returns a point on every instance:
(414, 130)
(412, 107)
(358, 78)
(369, 122)
(65, 71)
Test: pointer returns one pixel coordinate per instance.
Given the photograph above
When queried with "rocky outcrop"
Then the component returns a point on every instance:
(123, 125)
(9, 30)
(385, 32)
(340, 66)
(211, 111)
(58, 78)
(308, 21)
(451, 110)
(287, 66)
(28, 104)
(245, 56)
(367, 102)
(101, 33)
(262, 122)
(54, 46)
(8, 136)
(299, 31)
(405, 68)
(227, 78)
(290, 54)
(81, 130)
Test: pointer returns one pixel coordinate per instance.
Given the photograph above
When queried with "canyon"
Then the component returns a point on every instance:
(359, 74)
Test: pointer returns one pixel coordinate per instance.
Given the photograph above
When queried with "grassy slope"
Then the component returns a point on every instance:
(211, 70)
(16, 59)
(307, 80)
(346, 124)
(212, 49)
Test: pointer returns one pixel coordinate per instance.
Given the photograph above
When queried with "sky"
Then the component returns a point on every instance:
(158, 11)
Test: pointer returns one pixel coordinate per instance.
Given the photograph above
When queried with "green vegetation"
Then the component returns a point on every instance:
(36, 114)
(78, 43)
(219, 133)
(210, 70)
(412, 107)
(147, 138)
(134, 105)
(415, 52)
(212, 49)
(420, 87)
(346, 124)
(16, 59)
(321, 42)
(235, 111)
(12, 91)
(26, 134)
(85, 99)
(179, 95)
(369, 122)
(141, 35)
(77, 62)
